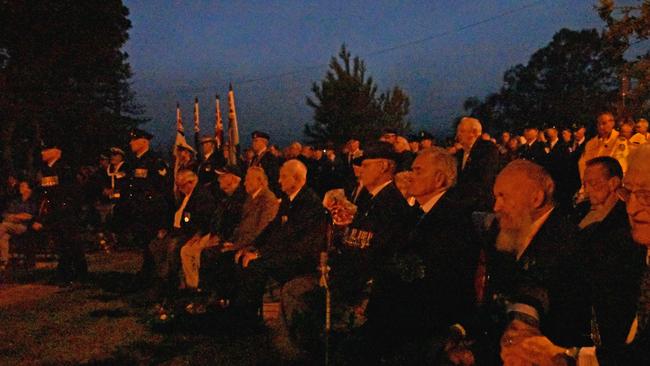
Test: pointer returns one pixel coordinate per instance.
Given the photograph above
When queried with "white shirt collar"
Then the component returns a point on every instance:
(293, 195)
(140, 155)
(376, 191)
(431, 202)
(256, 193)
(51, 164)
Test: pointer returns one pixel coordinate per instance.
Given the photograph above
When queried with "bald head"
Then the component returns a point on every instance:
(293, 176)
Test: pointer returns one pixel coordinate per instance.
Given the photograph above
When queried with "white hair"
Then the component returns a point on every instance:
(444, 161)
(297, 168)
(474, 123)
(639, 159)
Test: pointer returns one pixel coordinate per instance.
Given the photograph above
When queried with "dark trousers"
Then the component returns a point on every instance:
(72, 265)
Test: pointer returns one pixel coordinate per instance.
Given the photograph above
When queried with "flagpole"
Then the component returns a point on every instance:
(218, 123)
(197, 129)
(233, 129)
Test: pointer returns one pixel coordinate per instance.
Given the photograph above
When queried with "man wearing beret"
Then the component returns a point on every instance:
(149, 197)
(58, 213)
(266, 160)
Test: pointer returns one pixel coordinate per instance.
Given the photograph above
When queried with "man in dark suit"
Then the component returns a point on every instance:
(613, 262)
(288, 247)
(557, 164)
(225, 217)
(544, 246)
(478, 165)
(263, 158)
(533, 150)
(191, 218)
(444, 251)
(629, 330)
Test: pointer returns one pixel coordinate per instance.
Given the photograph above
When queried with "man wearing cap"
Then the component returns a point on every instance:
(191, 218)
(265, 159)
(185, 157)
(149, 196)
(225, 218)
(210, 161)
(115, 188)
(370, 240)
(58, 213)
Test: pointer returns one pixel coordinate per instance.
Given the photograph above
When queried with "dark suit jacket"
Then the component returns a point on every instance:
(293, 240)
(475, 182)
(227, 213)
(549, 277)
(614, 264)
(535, 152)
(558, 165)
(444, 241)
(197, 213)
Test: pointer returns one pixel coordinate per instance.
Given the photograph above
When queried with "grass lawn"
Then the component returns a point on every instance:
(107, 323)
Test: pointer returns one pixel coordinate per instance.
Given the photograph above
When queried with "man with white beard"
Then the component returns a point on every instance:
(547, 293)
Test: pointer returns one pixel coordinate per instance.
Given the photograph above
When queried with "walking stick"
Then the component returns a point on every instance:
(324, 271)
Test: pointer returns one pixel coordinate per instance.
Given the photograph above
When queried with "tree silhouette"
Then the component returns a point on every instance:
(346, 104)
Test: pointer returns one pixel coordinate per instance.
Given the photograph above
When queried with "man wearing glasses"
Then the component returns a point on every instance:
(632, 348)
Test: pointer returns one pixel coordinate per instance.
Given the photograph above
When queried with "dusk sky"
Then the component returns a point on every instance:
(185, 49)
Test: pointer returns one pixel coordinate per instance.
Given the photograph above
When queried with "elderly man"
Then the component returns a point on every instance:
(631, 346)
(191, 218)
(478, 164)
(436, 264)
(544, 248)
(259, 208)
(289, 246)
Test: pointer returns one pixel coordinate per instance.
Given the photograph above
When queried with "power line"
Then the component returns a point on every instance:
(402, 45)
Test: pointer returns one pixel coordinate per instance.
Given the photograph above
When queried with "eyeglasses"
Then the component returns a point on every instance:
(642, 195)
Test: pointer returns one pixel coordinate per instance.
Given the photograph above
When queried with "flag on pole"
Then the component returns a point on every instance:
(179, 119)
(218, 123)
(196, 115)
(233, 129)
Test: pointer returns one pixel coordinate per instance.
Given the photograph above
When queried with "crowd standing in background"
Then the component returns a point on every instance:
(529, 250)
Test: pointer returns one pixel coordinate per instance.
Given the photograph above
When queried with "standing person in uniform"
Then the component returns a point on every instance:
(266, 160)
(211, 160)
(149, 197)
(58, 214)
